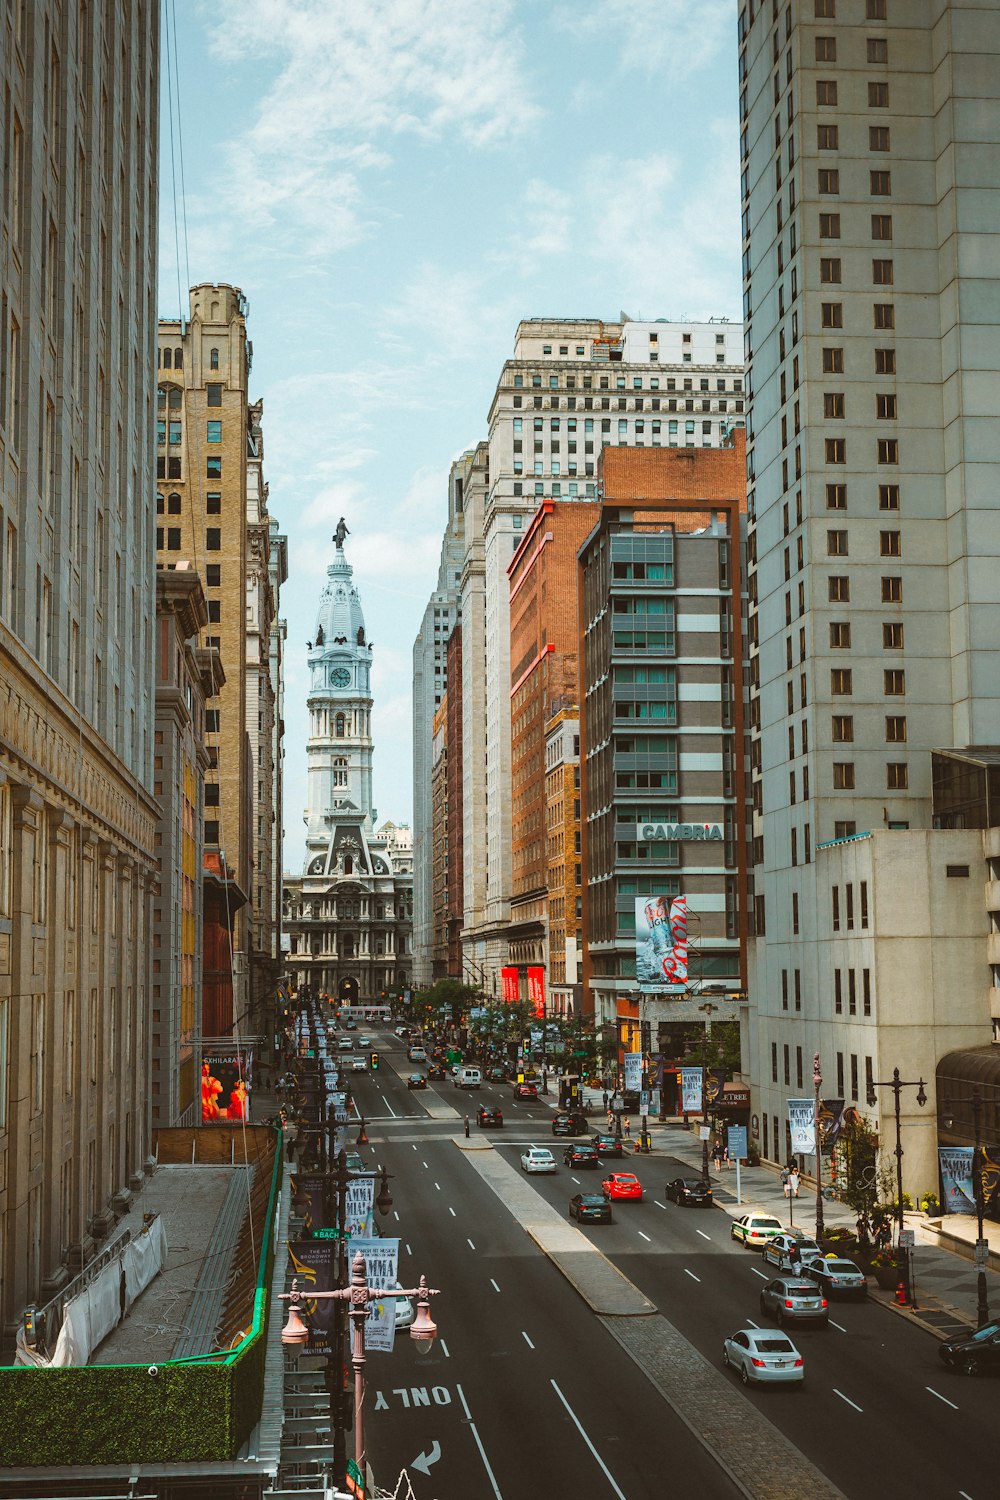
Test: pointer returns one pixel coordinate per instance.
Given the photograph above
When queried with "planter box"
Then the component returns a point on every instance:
(887, 1277)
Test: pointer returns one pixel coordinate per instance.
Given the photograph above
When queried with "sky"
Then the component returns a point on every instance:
(394, 184)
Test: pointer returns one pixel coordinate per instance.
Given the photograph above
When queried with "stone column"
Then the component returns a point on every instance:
(81, 1243)
(60, 1146)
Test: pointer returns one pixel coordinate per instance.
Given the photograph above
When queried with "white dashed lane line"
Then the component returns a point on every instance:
(692, 1275)
(847, 1399)
(526, 1339)
(494, 1285)
(940, 1397)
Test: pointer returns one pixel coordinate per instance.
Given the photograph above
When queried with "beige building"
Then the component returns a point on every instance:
(870, 161)
(439, 842)
(77, 598)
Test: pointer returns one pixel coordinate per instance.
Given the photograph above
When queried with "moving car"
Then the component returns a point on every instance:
(402, 1031)
(589, 1208)
(417, 1054)
(538, 1159)
(436, 1071)
(489, 1117)
(416, 1081)
(691, 1192)
(755, 1229)
(761, 1355)
(622, 1185)
(792, 1299)
(350, 1025)
(496, 1075)
(607, 1145)
(357, 1064)
(836, 1277)
(364, 1042)
(404, 1308)
(569, 1122)
(345, 1044)
(788, 1248)
(581, 1154)
(975, 1353)
(356, 1163)
(525, 1091)
(469, 1077)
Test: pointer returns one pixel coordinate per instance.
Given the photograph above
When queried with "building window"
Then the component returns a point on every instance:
(877, 48)
(213, 575)
(892, 590)
(826, 92)
(835, 450)
(833, 404)
(841, 681)
(213, 539)
(829, 180)
(826, 49)
(843, 775)
(894, 682)
(784, 989)
(832, 314)
(895, 729)
(214, 432)
(213, 466)
(845, 830)
(213, 502)
(836, 497)
(885, 407)
(838, 994)
(878, 138)
(173, 539)
(880, 182)
(897, 776)
(836, 543)
(887, 450)
(840, 635)
(881, 226)
(842, 727)
(213, 362)
(852, 999)
(892, 635)
(827, 137)
(889, 543)
(829, 226)
(214, 390)
(838, 588)
(888, 497)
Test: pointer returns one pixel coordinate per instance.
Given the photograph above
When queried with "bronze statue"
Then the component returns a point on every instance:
(340, 533)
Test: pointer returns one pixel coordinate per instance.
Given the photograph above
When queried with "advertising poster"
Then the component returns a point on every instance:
(509, 986)
(633, 1072)
(661, 943)
(958, 1193)
(831, 1121)
(714, 1079)
(360, 1196)
(314, 1262)
(226, 1080)
(536, 991)
(691, 1090)
(802, 1124)
(382, 1271)
(309, 1193)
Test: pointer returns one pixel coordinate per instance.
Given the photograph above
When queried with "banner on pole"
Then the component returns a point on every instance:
(691, 1090)
(360, 1197)
(315, 1264)
(509, 985)
(536, 990)
(958, 1191)
(802, 1125)
(382, 1270)
(633, 1072)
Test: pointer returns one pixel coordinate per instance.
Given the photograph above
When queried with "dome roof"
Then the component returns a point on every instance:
(340, 619)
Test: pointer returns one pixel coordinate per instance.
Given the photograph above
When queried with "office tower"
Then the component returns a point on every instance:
(77, 605)
(869, 162)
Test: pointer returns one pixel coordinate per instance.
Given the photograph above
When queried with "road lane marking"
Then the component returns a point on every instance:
(842, 1329)
(658, 1203)
(452, 1211)
(579, 1427)
(425, 1164)
(752, 1324)
(646, 1237)
(470, 1244)
(526, 1339)
(389, 1107)
(479, 1444)
(847, 1399)
(759, 1273)
(494, 1285)
(414, 1148)
(408, 1250)
(691, 1274)
(940, 1397)
(438, 1186)
(396, 1213)
(704, 1235)
(444, 1348)
(963, 1496)
(576, 1180)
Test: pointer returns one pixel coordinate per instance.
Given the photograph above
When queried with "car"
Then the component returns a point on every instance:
(345, 1044)
(538, 1159)
(569, 1122)
(836, 1277)
(755, 1229)
(622, 1185)
(364, 1042)
(402, 1031)
(607, 1145)
(404, 1308)
(417, 1054)
(974, 1353)
(763, 1356)
(436, 1071)
(495, 1075)
(350, 1025)
(590, 1208)
(487, 1118)
(356, 1163)
(581, 1154)
(690, 1192)
(357, 1064)
(792, 1299)
(789, 1249)
(416, 1081)
(525, 1091)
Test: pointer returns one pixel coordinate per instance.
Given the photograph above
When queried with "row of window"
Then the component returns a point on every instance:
(896, 776)
(173, 359)
(213, 431)
(831, 267)
(568, 382)
(886, 406)
(886, 450)
(881, 229)
(800, 1082)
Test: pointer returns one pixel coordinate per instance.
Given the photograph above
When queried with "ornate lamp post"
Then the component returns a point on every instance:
(982, 1246)
(359, 1297)
(897, 1085)
(817, 1085)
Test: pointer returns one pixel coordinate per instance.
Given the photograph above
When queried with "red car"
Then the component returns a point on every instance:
(622, 1185)
(525, 1091)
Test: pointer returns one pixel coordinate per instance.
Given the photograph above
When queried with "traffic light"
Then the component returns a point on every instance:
(374, 1062)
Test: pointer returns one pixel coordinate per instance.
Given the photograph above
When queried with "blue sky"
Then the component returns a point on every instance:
(393, 184)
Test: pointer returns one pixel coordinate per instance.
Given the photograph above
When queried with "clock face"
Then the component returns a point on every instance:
(341, 677)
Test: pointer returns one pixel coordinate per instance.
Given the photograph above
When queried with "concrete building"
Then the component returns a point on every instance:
(439, 842)
(870, 154)
(563, 867)
(349, 917)
(662, 729)
(77, 604)
(572, 388)
(429, 670)
(203, 425)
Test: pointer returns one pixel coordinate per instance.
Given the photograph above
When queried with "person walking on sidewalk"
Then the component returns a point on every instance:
(793, 1183)
(717, 1156)
(627, 1127)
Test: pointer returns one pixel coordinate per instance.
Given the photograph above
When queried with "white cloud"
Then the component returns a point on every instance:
(670, 38)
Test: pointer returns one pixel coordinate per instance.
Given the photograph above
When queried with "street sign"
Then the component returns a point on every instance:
(907, 1239)
(736, 1140)
(327, 1234)
(982, 1254)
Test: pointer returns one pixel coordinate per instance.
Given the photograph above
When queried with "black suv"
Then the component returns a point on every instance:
(569, 1123)
(974, 1353)
(581, 1154)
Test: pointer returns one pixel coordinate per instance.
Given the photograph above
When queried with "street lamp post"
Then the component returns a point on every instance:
(982, 1298)
(358, 1296)
(704, 1124)
(897, 1085)
(817, 1085)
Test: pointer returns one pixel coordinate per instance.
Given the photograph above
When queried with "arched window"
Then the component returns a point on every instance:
(339, 730)
(361, 635)
(168, 359)
(213, 359)
(174, 398)
(348, 865)
(159, 505)
(178, 358)
(161, 397)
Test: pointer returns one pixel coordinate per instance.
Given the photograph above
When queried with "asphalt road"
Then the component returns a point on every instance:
(524, 1388)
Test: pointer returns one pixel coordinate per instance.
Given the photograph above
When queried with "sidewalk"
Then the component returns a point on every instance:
(944, 1279)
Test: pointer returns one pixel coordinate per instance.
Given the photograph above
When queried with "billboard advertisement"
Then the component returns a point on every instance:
(802, 1124)
(509, 985)
(661, 944)
(226, 1080)
(536, 991)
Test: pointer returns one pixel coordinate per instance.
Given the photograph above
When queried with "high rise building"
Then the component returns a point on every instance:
(77, 606)
(349, 916)
(869, 156)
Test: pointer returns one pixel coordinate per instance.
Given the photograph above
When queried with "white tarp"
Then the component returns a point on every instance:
(144, 1258)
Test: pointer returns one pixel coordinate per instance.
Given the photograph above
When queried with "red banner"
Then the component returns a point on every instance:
(509, 985)
(536, 991)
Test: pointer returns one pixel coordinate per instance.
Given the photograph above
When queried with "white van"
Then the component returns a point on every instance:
(469, 1078)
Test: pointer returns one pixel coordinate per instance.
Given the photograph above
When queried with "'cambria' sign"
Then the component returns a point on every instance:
(676, 832)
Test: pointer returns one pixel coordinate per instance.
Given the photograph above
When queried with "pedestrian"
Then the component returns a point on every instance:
(727, 1160)
(627, 1128)
(466, 1127)
(717, 1157)
(605, 1097)
(784, 1181)
(793, 1183)
(862, 1231)
(611, 1119)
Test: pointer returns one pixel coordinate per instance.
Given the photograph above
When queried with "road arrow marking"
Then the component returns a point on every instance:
(423, 1463)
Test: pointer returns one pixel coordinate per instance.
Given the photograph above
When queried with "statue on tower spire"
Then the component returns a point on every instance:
(340, 533)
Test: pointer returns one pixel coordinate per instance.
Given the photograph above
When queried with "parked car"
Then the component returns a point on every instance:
(489, 1117)
(525, 1091)
(975, 1353)
(792, 1299)
(755, 1229)
(836, 1277)
(607, 1145)
(789, 1250)
(356, 1163)
(538, 1159)
(581, 1154)
(590, 1208)
(569, 1122)
(761, 1355)
(690, 1192)
(622, 1185)
(416, 1081)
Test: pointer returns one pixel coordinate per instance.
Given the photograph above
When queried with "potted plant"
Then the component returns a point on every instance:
(931, 1204)
(885, 1268)
(839, 1239)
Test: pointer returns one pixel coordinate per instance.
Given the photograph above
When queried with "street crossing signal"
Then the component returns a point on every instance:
(374, 1062)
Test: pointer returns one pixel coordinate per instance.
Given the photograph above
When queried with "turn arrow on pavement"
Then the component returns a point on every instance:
(423, 1463)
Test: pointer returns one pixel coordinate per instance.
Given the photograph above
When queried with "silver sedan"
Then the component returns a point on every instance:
(761, 1355)
(791, 1299)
